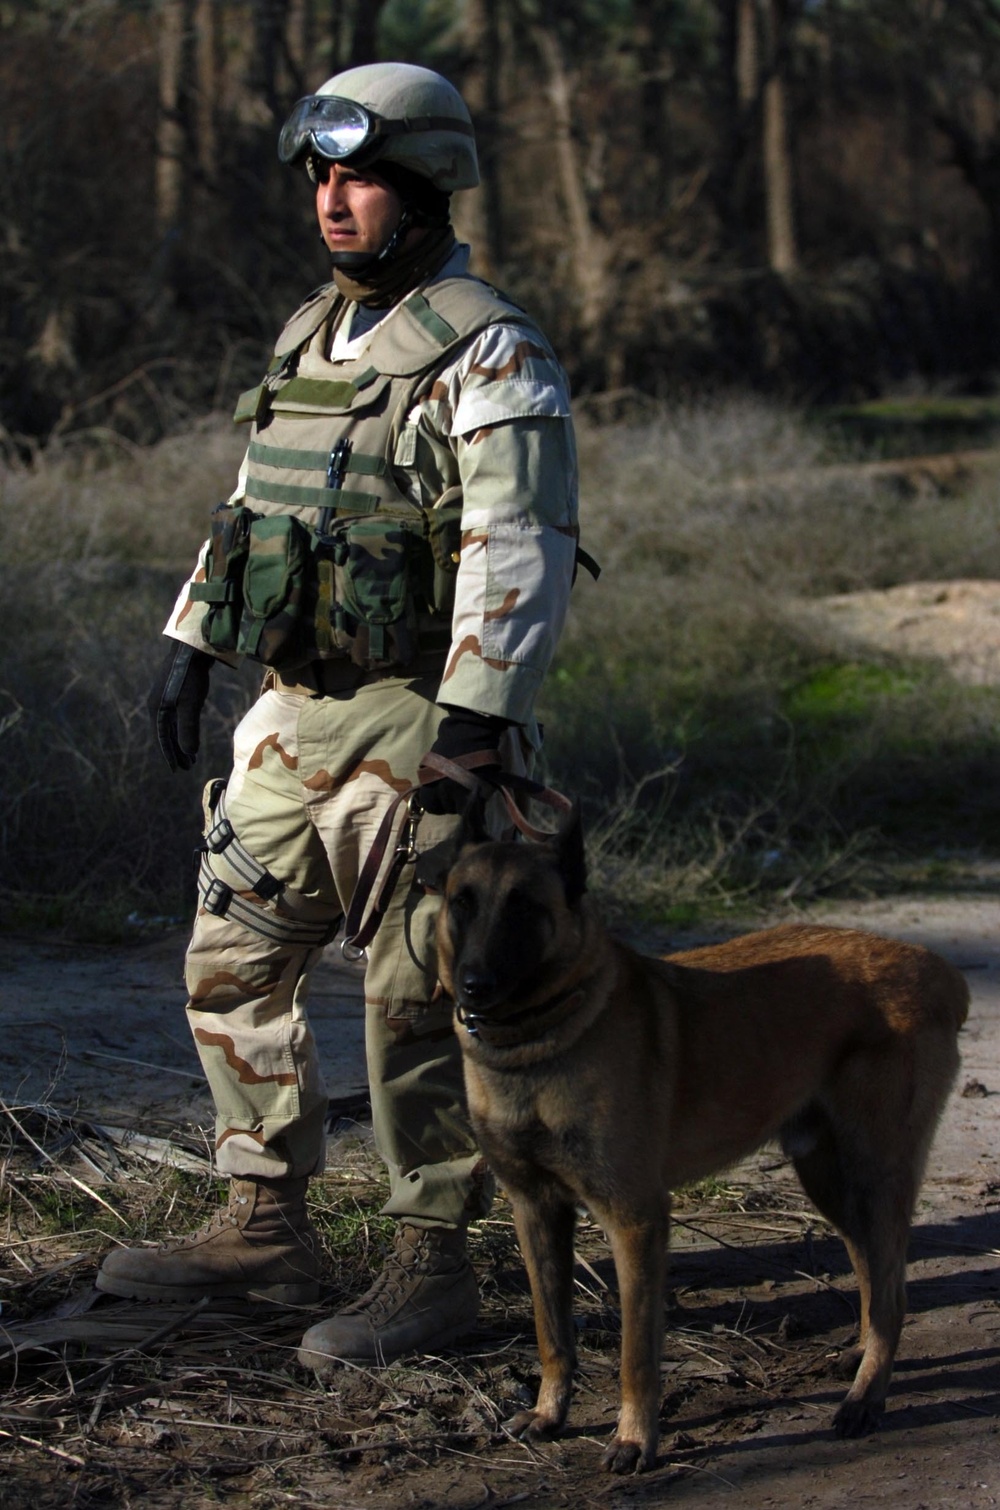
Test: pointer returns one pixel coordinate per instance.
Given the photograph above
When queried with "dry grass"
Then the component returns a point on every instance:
(682, 661)
(96, 543)
(116, 1403)
(97, 498)
(689, 707)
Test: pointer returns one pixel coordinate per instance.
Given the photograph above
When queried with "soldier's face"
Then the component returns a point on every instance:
(357, 211)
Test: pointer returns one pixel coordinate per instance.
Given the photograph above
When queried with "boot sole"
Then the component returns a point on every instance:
(325, 1363)
(283, 1295)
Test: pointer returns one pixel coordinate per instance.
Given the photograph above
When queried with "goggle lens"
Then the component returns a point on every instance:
(334, 127)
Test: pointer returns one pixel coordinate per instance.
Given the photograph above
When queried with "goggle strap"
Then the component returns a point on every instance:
(423, 123)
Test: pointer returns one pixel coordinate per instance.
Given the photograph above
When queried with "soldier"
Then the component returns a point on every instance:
(398, 552)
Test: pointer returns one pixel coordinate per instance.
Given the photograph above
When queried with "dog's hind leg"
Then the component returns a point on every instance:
(640, 1251)
(879, 1259)
(809, 1141)
(870, 1205)
(544, 1224)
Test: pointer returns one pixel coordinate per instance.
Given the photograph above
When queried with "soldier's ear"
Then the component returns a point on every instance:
(571, 856)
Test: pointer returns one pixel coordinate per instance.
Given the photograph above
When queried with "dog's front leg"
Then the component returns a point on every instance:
(640, 1251)
(544, 1224)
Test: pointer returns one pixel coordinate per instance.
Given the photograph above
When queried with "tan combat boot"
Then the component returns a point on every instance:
(425, 1296)
(261, 1246)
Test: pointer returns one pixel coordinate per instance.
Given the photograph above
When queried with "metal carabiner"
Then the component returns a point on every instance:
(407, 846)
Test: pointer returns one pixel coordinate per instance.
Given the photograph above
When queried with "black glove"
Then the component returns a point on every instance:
(460, 733)
(175, 703)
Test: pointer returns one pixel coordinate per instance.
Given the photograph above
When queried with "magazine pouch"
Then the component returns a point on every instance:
(224, 566)
(366, 603)
(278, 563)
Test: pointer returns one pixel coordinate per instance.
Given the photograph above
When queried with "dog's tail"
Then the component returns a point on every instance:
(962, 1005)
(957, 994)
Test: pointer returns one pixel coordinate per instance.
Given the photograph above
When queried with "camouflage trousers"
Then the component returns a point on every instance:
(312, 778)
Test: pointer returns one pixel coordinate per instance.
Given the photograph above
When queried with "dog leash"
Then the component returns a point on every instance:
(478, 771)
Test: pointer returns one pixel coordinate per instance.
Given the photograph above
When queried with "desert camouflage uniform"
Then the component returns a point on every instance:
(317, 761)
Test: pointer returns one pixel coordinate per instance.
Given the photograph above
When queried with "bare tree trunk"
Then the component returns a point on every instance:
(364, 42)
(169, 127)
(478, 214)
(301, 48)
(739, 156)
(589, 248)
(655, 69)
(336, 29)
(208, 52)
(269, 37)
(747, 61)
(782, 251)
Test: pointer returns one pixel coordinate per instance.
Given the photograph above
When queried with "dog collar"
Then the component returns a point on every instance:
(502, 1034)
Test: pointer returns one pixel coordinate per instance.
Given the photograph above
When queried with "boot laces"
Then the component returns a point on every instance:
(410, 1259)
(222, 1217)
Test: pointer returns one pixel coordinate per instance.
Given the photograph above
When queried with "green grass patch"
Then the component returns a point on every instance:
(848, 691)
(909, 425)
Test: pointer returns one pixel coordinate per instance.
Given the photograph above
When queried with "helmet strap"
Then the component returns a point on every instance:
(382, 278)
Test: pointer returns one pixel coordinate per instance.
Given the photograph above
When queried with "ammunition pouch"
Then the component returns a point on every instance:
(366, 601)
(283, 593)
(224, 566)
(276, 584)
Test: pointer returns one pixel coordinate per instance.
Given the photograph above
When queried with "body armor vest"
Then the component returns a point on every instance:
(327, 557)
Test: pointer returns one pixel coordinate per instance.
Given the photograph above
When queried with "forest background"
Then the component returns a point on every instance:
(733, 218)
(802, 195)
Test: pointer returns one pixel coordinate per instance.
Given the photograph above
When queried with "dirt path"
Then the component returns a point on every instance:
(747, 1372)
(102, 1031)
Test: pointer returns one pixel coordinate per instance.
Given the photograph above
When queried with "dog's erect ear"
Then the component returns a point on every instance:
(572, 857)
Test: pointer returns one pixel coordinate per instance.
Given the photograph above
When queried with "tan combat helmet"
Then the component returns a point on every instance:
(387, 113)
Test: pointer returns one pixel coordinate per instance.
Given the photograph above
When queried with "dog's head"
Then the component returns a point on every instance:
(510, 920)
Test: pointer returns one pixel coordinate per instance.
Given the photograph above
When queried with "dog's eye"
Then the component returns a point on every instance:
(520, 904)
(463, 902)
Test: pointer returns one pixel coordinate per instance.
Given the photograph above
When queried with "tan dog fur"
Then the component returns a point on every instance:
(598, 1075)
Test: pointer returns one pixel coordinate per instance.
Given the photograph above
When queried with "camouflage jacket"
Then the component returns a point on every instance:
(446, 416)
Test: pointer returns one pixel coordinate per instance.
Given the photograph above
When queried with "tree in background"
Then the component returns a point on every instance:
(684, 190)
(959, 47)
(782, 255)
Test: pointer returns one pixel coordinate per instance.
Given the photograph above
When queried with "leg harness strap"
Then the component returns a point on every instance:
(223, 900)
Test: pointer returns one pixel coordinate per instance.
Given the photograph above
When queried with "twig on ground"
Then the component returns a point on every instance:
(80, 1184)
(67, 1457)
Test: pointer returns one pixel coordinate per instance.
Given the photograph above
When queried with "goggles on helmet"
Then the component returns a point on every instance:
(339, 129)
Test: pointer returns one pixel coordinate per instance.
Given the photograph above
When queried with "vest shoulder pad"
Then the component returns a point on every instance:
(435, 320)
(307, 319)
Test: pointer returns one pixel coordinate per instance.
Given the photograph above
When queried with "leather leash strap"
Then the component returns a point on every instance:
(478, 771)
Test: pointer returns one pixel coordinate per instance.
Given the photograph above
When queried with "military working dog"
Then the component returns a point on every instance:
(598, 1075)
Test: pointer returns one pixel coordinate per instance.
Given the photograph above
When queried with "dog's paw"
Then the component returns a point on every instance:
(533, 1426)
(856, 1418)
(623, 1456)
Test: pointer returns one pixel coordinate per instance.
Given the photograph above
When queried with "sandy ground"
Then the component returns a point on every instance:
(954, 623)
(102, 1031)
(762, 1299)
